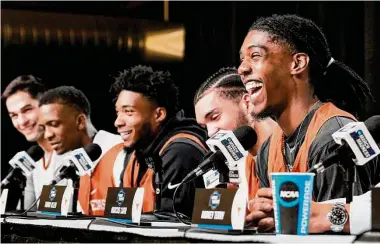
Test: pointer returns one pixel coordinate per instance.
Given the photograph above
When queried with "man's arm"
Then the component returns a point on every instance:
(329, 184)
(319, 222)
(359, 219)
(262, 164)
(178, 160)
(369, 173)
(30, 195)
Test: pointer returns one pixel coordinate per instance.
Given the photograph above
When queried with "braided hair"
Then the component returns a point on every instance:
(226, 81)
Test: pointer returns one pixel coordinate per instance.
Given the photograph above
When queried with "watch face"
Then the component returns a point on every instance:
(338, 216)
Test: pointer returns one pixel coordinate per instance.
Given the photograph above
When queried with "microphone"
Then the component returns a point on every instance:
(226, 145)
(207, 164)
(357, 141)
(23, 162)
(81, 162)
(234, 146)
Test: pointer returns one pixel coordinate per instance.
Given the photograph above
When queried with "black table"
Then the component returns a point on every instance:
(15, 229)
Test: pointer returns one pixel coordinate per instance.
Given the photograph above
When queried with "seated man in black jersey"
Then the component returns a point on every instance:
(289, 72)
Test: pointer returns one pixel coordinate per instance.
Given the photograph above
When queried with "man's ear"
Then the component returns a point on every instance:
(245, 101)
(300, 63)
(81, 121)
(160, 114)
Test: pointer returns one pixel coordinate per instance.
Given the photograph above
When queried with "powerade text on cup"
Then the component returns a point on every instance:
(292, 193)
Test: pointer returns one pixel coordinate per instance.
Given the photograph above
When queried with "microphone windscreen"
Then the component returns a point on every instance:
(373, 126)
(93, 151)
(246, 136)
(35, 152)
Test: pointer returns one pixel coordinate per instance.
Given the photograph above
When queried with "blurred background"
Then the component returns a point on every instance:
(86, 44)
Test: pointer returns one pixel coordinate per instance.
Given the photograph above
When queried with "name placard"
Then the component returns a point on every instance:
(55, 200)
(219, 208)
(4, 197)
(124, 203)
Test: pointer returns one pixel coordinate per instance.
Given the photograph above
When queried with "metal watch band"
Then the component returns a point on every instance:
(338, 210)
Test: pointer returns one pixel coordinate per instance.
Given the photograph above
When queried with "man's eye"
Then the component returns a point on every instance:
(128, 111)
(54, 123)
(215, 117)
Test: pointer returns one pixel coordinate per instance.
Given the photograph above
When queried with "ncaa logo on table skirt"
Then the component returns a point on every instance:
(214, 200)
(52, 194)
(120, 197)
(289, 194)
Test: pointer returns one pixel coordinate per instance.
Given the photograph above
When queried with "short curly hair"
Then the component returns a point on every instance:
(67, 95)
(157, 86)
(226, 81)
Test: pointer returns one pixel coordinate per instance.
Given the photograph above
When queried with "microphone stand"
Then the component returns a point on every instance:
(22, 185)
(21, 180)
(74, 177)
(349, 179)
(69, 173)
(349, 176)
(158, 184)
(154, 162)
(75, 197)
(224, 171)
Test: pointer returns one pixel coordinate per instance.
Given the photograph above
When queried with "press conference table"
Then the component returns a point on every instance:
(16, 229)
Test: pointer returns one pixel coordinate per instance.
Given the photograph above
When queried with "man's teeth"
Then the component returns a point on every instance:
(126, 133)
(252, 84)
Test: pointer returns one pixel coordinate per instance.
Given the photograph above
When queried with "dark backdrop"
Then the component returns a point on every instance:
(214, 33)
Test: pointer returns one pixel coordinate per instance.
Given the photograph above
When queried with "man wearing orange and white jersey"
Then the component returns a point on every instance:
(221, 103)
(21, 99)
(65, 119)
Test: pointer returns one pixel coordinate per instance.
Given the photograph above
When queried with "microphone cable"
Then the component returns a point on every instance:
(35, 202)
(180, 216)
(31, 206)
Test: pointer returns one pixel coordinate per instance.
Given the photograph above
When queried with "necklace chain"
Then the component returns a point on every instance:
(299, 130)
(46, 165)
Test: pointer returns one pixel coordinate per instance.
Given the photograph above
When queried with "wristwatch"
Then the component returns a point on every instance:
(338, 217)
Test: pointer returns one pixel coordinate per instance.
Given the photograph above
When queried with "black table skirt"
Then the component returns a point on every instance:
(33, 233)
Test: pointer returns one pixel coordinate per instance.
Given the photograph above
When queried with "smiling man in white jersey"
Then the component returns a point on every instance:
(21, 99)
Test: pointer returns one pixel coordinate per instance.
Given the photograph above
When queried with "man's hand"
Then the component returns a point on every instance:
(262, 214)
(319, 222)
